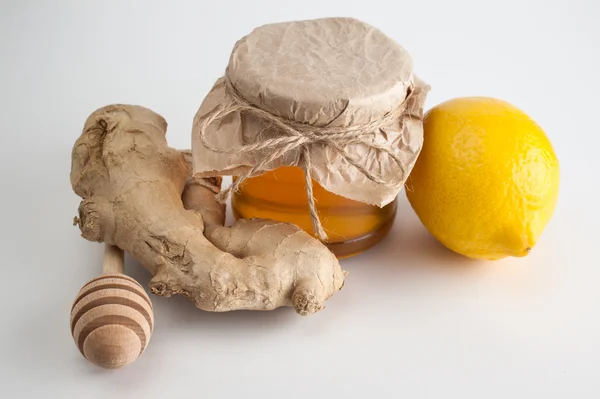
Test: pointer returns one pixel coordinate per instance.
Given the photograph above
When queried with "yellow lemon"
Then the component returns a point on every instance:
(486, 181)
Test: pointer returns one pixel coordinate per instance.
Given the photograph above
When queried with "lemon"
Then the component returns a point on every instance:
(486, 181)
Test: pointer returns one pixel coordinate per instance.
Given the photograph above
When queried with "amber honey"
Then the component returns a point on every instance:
(352, 226)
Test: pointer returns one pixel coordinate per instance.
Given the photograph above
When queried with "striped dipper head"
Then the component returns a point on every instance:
(112, 320)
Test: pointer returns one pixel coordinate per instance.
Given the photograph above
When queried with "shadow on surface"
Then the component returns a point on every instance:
(409, 245)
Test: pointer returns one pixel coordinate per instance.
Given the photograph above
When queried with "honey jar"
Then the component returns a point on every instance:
(320, 123)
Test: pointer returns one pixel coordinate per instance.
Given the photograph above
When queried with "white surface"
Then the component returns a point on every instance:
(413, 320)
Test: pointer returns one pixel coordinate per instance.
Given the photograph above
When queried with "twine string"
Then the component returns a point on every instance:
(300, 136)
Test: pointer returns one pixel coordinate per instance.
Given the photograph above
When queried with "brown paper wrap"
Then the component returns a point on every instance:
(325, 73)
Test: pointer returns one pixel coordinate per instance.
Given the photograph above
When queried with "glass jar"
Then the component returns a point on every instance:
(334, 99)
(352, 226)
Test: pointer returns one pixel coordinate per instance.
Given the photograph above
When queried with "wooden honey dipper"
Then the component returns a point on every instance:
(112, 317)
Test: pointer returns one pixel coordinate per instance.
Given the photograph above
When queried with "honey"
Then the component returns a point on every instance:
(352, 226)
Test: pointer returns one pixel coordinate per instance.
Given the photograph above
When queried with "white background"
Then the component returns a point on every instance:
(413, 321)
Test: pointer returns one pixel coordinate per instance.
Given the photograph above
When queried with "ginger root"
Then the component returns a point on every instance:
(132, 184)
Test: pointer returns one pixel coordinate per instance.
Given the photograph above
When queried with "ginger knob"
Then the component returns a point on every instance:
(112, 317)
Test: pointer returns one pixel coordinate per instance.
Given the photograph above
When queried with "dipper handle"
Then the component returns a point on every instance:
(114, 260)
